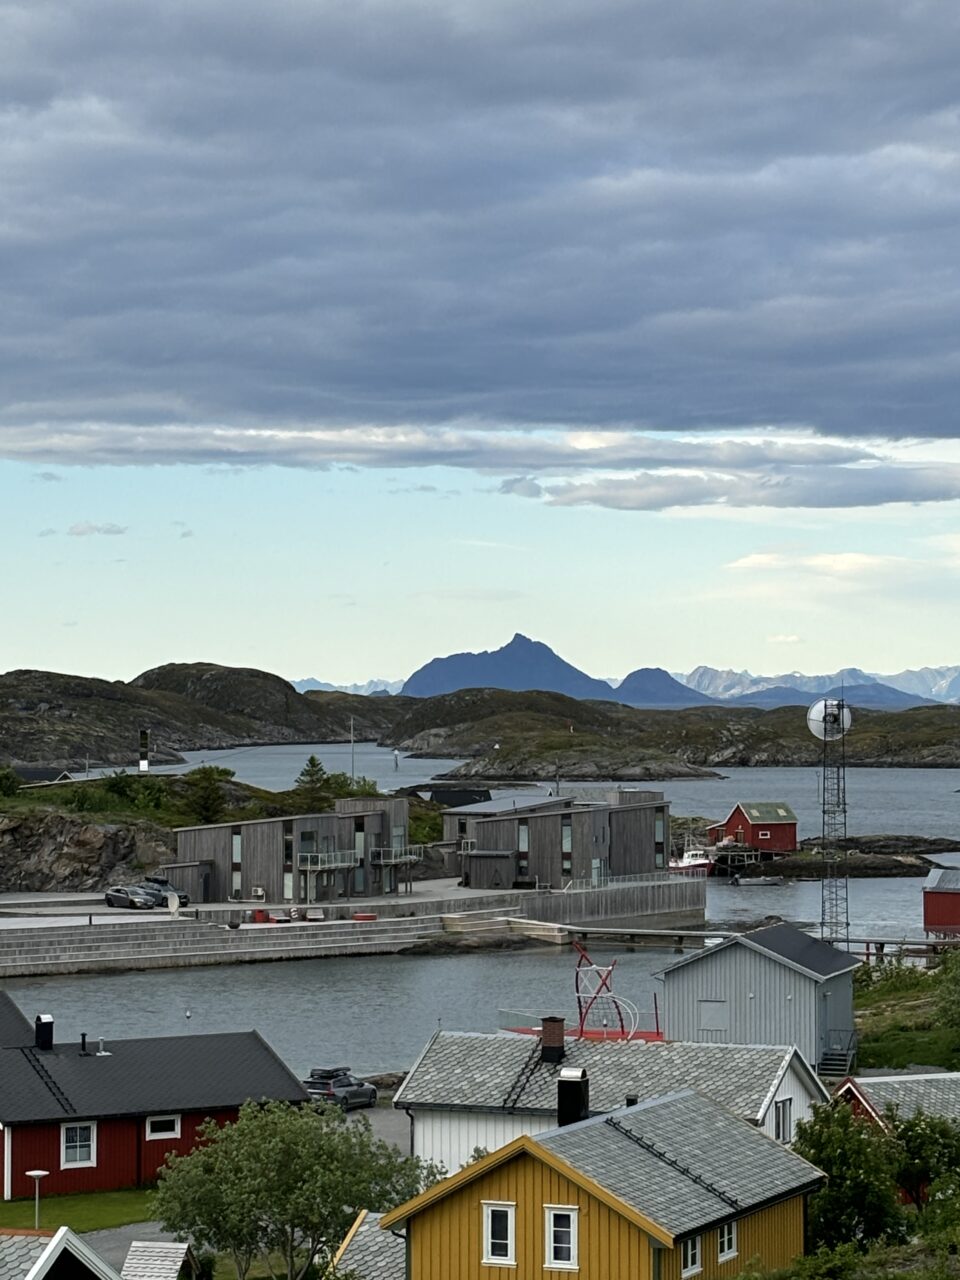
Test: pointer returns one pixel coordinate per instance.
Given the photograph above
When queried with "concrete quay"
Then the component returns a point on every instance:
(88, 943)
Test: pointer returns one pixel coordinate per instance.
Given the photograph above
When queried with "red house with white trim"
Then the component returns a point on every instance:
(941, 902)
(100, 1117)
(767, 826)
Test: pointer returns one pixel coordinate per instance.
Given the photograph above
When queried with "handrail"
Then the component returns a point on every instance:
(647, 877)
(391, 855)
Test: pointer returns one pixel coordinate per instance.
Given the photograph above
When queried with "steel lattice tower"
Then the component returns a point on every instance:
(834, 899)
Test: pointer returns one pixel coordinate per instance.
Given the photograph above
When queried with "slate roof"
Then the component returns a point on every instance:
(15, 1026)
(503, 1072)
(820, 960)
(520, 803)
(155, 1259)
(19, 1252)
(371, 1253)
(935, 1095)
(142, 1077)
(942, 880)
(682, 1160)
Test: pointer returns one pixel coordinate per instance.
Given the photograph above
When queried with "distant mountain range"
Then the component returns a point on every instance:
(526, 664)
(366, 689)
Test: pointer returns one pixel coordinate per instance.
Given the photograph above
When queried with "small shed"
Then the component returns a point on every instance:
(776, 985)
(941, 902)
(767, 826)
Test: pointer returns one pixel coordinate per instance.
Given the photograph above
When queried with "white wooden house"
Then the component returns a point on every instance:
(471, 1090)
(770, 986)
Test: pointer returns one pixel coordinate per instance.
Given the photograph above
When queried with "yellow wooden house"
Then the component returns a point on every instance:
(670, 1189)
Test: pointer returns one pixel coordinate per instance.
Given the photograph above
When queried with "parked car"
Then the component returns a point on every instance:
(337, 1085)
(163, 886)
(131, 896)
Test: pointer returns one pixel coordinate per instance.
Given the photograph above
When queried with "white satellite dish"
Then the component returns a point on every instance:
(829, 719)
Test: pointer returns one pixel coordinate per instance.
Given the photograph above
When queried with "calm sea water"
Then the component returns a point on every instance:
(376, 1012)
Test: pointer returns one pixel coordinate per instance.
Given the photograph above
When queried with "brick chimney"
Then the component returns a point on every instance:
(573, 1096)
(43, 1031)
(551, 1040)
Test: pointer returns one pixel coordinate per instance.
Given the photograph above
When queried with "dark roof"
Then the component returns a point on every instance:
(15, 1027)
(142, 1077)
(793, 945)
(934, 1095)
(782, 942)
(682, 1160)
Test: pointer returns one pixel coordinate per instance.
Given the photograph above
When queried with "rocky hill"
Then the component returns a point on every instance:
(55, 851)
(61, 720)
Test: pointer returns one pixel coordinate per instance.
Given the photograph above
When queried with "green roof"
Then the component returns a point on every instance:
(767, 811)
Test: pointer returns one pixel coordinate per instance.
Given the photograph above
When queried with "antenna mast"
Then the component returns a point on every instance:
(829, 720)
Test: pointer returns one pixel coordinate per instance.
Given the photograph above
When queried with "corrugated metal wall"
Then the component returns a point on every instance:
(763, 1002)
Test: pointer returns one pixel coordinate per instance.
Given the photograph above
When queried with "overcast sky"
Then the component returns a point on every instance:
(336, 335)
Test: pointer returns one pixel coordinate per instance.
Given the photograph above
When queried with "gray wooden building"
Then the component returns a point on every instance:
(359, 849)
(555, 841)
(771, 986)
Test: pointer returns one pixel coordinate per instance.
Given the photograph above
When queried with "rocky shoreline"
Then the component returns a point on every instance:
(867, 857)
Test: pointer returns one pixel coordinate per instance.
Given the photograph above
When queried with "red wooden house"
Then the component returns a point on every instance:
(104, 1116)
(941, 902)
(769, 827)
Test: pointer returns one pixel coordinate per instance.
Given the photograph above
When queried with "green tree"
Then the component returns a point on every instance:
(205, 798)
(859, 1201)
(283, 1182)
(928, 1150)
(312, 787)
(9, 782)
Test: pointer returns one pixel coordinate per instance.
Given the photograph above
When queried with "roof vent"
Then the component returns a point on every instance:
(102, 1052)
(43, 1031)
(84, 1051)
(573, 1096)
(631, 1100)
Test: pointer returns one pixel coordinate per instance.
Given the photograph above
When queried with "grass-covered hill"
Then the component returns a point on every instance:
(548, 727)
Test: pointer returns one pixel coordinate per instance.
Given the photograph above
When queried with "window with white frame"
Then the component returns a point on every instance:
(163, 1127)
(690, 1256)
(763, 835)
(727, 1242)
(560, 1248)
(78, 1145)
(783, 1120)
(499, 1232)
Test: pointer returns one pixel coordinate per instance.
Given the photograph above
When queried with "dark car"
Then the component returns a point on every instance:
(132, 896)
(337, 1085)
(162, 886)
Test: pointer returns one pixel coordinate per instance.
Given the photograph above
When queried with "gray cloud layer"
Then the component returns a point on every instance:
(623, 214)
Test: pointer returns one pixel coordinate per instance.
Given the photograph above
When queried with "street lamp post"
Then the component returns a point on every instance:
(36, 1175)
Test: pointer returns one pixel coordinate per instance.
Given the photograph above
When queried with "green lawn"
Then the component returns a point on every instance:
(89, 1212)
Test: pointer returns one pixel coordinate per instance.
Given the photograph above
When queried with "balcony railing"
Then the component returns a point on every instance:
(402, 855)
(332, 860)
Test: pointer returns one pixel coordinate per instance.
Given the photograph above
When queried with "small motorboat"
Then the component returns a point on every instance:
(756, 882)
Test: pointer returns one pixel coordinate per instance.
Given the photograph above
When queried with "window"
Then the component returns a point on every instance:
(783, 1120)
(560, 1249)
(499, 1237)
(763, 835)
(236, 858)
(713, 1015)
(163, 1127)
(78, 1145)
(659, 838)
(690, 1262)
(523, 836)
(727, 1242)
(566, 835)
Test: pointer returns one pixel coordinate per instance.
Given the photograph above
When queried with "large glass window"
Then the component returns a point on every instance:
(78, 1145)
(236, 860)
(561, 1236)
(499, 1231)
(523, 836)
